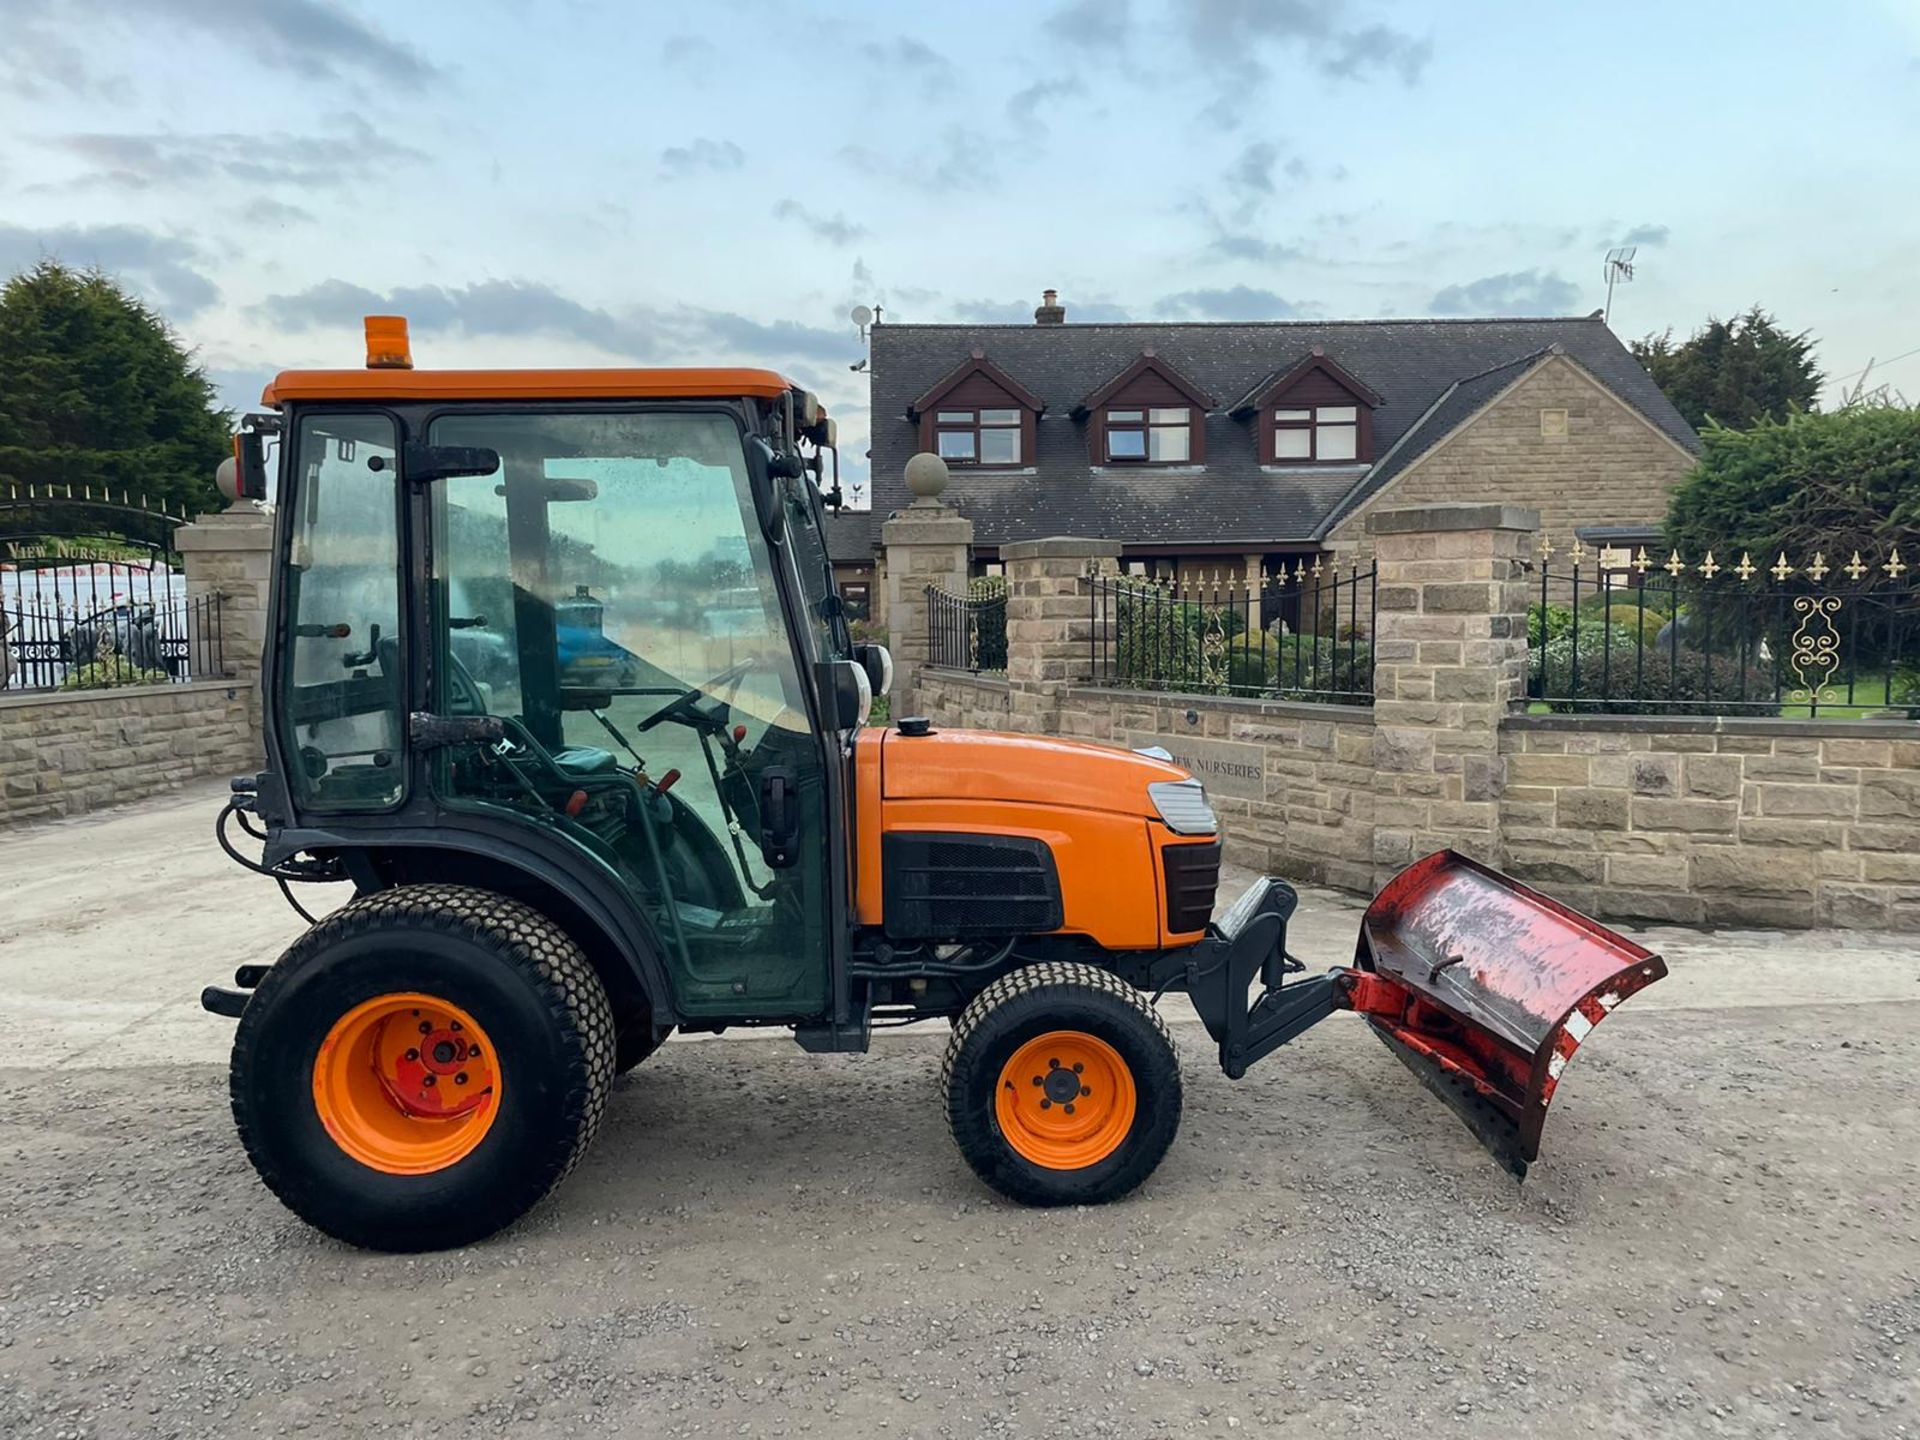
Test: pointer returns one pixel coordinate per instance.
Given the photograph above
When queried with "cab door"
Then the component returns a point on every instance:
(608, 592)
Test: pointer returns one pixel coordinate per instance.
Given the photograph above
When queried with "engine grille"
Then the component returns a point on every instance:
(1193, 874)
(940, 886)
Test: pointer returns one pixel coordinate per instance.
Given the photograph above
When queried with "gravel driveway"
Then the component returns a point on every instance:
(1721, 1237)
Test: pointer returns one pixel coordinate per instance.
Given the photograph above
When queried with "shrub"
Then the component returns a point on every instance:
(1165, 644)
(1252, 662)
(113, 671)
(1547, 622)
(1615, 676)
(1336, 672)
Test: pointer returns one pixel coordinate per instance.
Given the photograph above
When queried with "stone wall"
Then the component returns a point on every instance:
(1609, 466)
(1293, 783)
(65, 754)
(1703, 820)
(962, 699)
(1736, 821)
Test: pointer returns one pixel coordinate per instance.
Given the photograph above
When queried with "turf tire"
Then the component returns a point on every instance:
(528, 986)
(1029, 1002)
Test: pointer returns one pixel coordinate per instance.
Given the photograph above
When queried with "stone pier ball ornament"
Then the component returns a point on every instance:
(227, 477)
(927, 476)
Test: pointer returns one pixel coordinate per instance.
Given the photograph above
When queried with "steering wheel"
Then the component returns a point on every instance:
(683, 707)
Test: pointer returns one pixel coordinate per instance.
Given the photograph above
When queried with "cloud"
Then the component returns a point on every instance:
(905, 55)
(265, 210)
(687, 50)
(165, 268)
(1652, 236)
(1024, 108)
(963, 160)
(835, 229)
(1092, 24)
(51, 42)
(1257, 249)
(1020, 312)
(518, 309)
(678, 161)
(1252, 172)
(126, 161)
(1518, 292)
(1236, 41)
(1238, 302)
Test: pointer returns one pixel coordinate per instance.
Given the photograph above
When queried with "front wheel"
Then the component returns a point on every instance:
(422, 1067)
(1062, 1085)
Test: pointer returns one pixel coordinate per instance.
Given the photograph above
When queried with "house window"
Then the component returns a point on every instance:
(1323, 432)
(977, 437)
(1161, 435)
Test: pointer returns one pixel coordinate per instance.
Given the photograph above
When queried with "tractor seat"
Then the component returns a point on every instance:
(585, 760)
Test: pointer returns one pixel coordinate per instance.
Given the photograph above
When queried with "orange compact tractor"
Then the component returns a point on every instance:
(557, 678)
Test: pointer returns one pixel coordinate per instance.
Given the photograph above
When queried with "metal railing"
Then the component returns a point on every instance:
(1620, 634)
(104, 625)
(1305, 633)
(968, 632)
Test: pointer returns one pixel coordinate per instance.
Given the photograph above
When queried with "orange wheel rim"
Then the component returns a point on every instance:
(407, 1083)
(1065, 1100)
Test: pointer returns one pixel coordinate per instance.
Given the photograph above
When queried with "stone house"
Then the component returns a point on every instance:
(1238, 449)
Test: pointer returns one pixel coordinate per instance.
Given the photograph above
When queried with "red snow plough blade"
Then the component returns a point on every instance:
(1485, 988)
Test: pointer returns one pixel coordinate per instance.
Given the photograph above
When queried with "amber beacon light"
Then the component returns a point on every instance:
(387, 345)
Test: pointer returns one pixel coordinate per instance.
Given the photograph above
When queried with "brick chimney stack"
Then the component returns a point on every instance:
(1051, 311)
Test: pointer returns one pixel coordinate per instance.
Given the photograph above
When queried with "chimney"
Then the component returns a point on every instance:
(1051, 311)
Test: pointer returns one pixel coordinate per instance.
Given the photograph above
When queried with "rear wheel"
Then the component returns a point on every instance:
(422, 1067)
(1062, 1085)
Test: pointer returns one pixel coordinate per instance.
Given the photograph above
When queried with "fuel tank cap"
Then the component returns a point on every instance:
(915, 725)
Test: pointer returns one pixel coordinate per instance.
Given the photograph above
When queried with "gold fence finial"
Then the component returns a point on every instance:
(1780, 569)
(1856, 567)
(1895, 566)
(1675, 566)
(1709, 567)
(1818, 569)
(1640, 561)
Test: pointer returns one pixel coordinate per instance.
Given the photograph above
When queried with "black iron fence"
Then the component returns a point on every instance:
(968, 632)
(91, 595)
(1616, 633)
(1305, 633)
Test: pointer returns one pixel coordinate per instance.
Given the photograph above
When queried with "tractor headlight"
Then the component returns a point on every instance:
(1183, 806)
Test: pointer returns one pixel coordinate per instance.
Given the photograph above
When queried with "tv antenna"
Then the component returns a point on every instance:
(1619, 268)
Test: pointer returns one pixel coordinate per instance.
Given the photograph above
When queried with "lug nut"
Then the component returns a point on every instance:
(426, 1080)
(461, 1078)
(1068, 1107)
(425, 1028)
(1046, 1104)
(413, 1054)
(1078, 1067)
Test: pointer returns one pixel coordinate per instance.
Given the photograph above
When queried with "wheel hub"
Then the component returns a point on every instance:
(406, 1083)
(1066, 1100)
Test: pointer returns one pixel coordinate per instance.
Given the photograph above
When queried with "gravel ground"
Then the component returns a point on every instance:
(1720, 1240)
(1721, 1237)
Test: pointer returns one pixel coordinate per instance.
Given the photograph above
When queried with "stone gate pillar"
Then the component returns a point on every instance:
(228, 557)
(928, 543)
(1449, 661)
(1050, 624)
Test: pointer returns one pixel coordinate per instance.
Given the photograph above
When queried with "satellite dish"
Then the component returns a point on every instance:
(861, 316)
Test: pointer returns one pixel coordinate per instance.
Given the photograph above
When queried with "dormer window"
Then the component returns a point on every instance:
(1148, 414)
(1315, 413)
(1319, 432)
(1159, 435)
(978, 415)
(977, 437)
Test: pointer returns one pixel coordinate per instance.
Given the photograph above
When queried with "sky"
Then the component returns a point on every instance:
(540, 182)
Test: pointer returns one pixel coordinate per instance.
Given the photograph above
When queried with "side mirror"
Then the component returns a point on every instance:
(845, 694)
(877, 661)
(763, 471)
(250, 465)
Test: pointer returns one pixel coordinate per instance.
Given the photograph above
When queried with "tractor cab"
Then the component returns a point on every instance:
(584, 625)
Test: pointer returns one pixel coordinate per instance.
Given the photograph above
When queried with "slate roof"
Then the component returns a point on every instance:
(1430, 375)
(851, 536)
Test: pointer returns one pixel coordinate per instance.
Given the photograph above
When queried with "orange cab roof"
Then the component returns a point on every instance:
(398, 385)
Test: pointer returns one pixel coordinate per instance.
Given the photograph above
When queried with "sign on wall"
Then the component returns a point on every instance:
(1226, 767)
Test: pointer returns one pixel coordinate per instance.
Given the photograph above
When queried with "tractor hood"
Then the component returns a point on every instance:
(983, 765)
